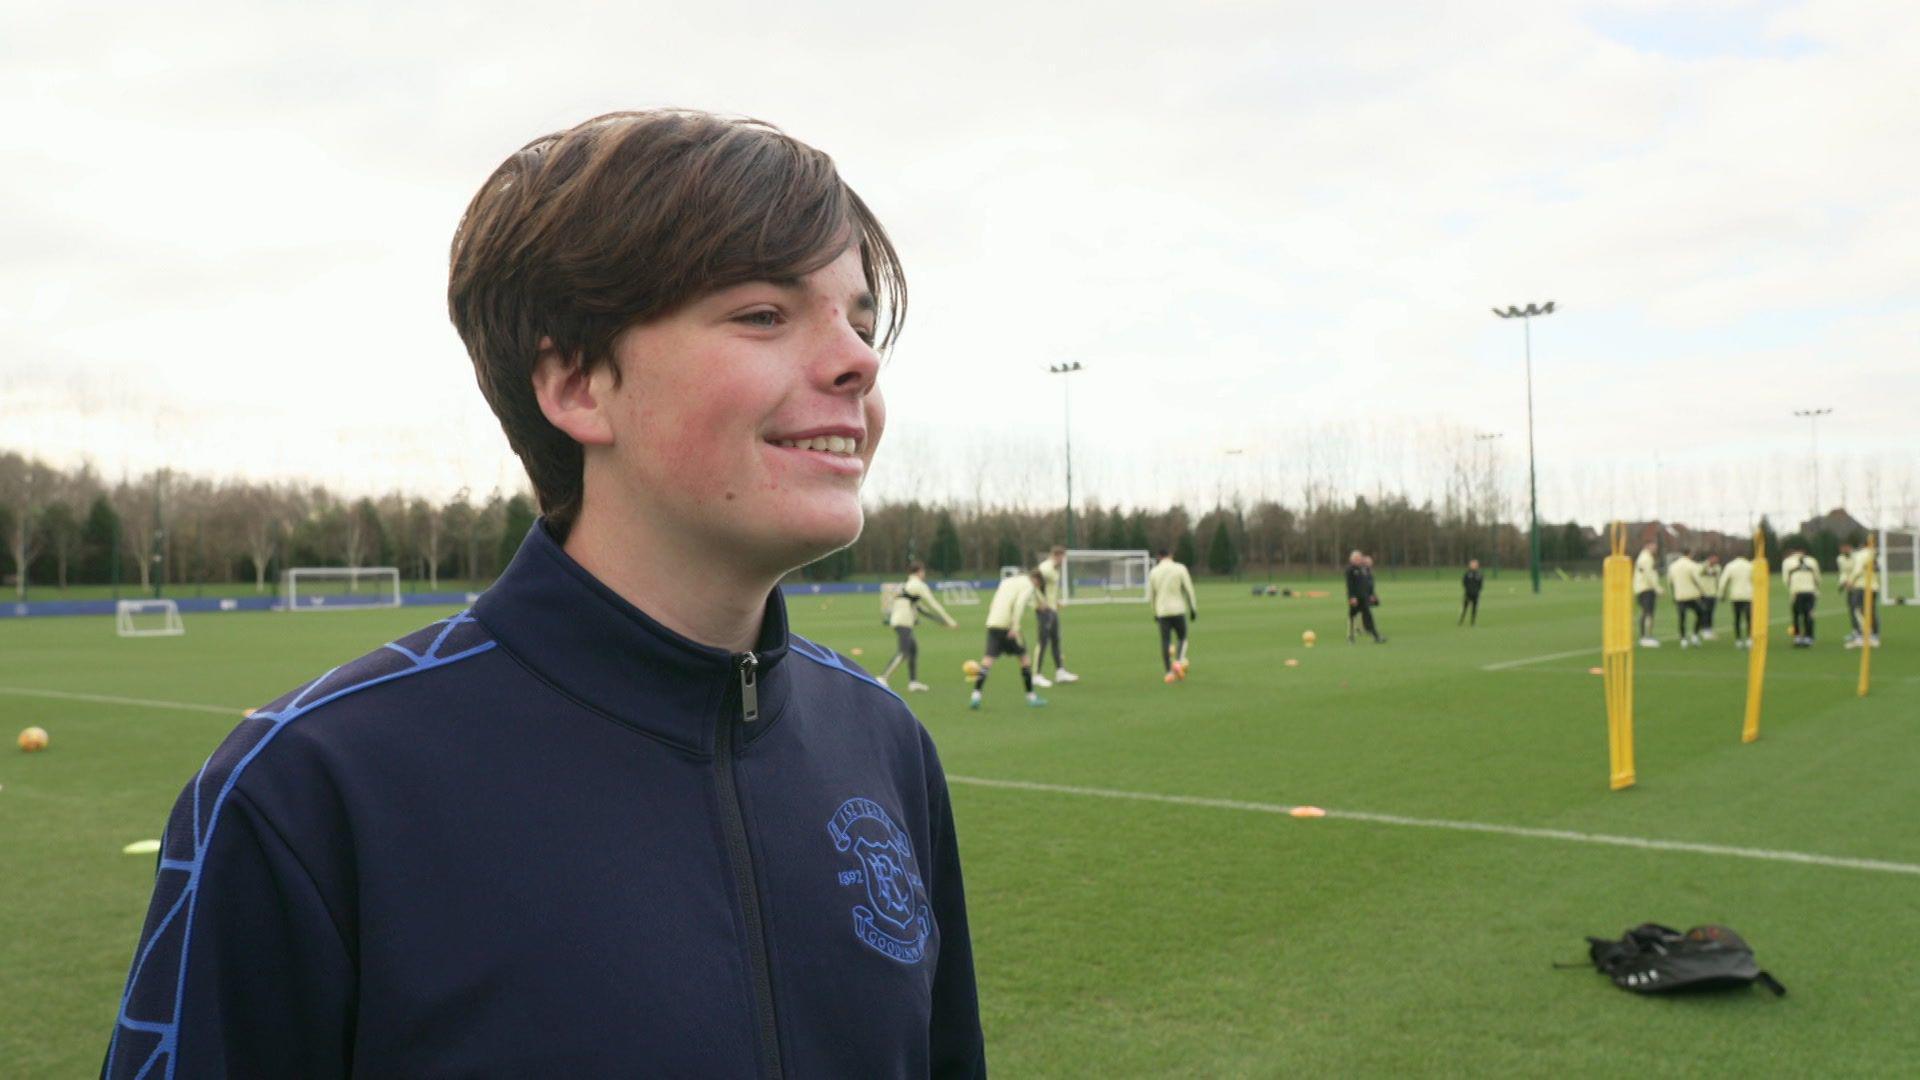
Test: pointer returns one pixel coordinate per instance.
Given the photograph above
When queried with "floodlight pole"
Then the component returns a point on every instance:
(1526, 316)
(1066, 387)
(1812, 417)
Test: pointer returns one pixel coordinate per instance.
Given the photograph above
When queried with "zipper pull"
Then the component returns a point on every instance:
(749, 686)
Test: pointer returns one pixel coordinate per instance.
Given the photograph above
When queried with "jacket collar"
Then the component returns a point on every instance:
(584, 640)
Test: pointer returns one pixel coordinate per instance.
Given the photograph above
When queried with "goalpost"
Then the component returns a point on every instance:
(1099, 576)
(956, 592)
(147, 618)
(339, 588)
(1899, 568)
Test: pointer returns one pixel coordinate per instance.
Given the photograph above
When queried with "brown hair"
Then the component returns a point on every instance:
(622, 219)
(916, 566)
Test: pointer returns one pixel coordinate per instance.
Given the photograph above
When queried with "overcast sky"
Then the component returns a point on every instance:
(1272, 228)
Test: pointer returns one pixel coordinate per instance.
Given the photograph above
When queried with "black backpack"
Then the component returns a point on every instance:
(1655, 959)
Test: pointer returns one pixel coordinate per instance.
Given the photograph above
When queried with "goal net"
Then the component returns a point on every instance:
(340, 588)
(1899, 566)
(147, 618)
(957, 592)
(1102, 577)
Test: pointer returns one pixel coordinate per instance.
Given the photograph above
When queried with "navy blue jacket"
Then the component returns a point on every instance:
(551, 837)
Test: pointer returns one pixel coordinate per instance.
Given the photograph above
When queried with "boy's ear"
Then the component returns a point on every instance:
(569, 398)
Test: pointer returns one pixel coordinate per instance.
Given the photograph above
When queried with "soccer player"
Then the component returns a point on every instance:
(1856, 571)
(1360, 597)
(1709, 594)
(617, 818)
(1170, 594)
(1011, 601)
(1736, 586)
(1047, 619)
(913, 600)
(1683, 576)
(1801, 575)
(1470, 584)
(1646, 587)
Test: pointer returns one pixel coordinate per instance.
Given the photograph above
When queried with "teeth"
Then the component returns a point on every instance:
(830, 444)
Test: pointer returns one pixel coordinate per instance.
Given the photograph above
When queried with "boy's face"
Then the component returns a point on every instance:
(745, 421)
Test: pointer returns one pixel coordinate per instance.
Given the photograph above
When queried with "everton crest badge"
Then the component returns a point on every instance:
(895, 920)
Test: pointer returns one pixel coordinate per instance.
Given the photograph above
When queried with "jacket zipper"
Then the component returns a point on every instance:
(733, 824)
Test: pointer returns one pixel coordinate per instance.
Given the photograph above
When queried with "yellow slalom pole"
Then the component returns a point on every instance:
(1616, 656)
(1866, 619)
(1757, 627)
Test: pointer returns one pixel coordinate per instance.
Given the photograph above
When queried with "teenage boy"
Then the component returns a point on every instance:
(1170, 594)
(1015, 597)
(1801, 575)
(1470, 584)
(913, 600)
(1046, 617)
(617, 818)
(1646, 588)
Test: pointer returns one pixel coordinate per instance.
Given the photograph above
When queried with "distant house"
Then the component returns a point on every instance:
(1836, 522)
(1674, 537)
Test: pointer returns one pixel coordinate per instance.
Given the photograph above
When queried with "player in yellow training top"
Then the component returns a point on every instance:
(1709, 594)
(1853, 581)
(903, 614)
(1170, 592)
(1684, 575)
(1011, 601)
(1801, 575)
(1736, 586)
(1046, 616)
(1646, 586)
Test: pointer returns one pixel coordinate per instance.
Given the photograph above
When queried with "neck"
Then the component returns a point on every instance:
(691, 588)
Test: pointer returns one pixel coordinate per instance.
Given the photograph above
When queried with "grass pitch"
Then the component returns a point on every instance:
(1119, 934)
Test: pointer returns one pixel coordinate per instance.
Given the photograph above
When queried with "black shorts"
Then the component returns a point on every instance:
(1004, 642)
(1647, 600)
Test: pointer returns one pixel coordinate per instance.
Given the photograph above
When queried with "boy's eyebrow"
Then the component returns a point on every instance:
(863, 303)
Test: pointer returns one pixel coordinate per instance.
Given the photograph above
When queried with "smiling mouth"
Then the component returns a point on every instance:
(826, 444)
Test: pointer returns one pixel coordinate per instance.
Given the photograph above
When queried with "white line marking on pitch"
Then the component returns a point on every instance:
(108, 699)
(1643, 843)
(1505, 664)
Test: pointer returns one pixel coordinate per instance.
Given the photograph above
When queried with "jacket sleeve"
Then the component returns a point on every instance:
(955, 1043)
(933, 605)
(241, 970)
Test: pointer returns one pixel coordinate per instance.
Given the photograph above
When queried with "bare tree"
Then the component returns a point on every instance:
(353, 536)
(26, 487)
(143, 516)
(268, 514)
(430, 535)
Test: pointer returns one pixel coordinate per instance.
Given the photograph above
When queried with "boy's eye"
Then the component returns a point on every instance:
(763, 319)
(866, 334)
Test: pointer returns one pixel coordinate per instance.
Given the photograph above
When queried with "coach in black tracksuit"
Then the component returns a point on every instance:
(1471, 582)
(1360, 596)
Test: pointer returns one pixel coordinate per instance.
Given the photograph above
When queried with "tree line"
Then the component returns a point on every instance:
(164, 528)
(168, 529)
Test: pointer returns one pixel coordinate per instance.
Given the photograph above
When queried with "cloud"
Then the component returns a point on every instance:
(1252, 222)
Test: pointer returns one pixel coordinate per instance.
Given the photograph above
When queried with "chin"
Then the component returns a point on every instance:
(814, 531)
